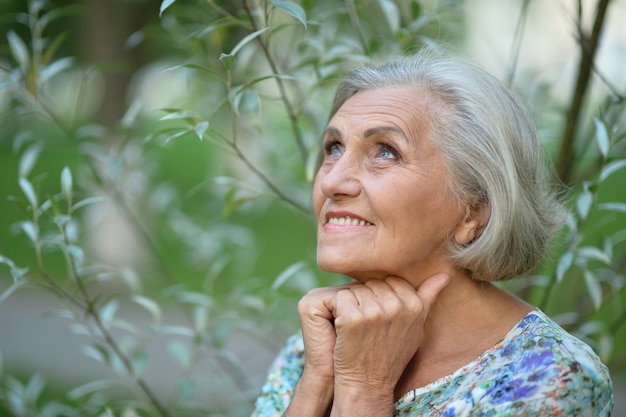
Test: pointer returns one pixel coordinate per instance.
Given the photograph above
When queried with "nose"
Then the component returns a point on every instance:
(342, 179)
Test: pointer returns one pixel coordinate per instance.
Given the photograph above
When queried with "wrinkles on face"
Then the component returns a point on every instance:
(381, 164)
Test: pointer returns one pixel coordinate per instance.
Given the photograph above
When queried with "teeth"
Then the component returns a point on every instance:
(347, 221)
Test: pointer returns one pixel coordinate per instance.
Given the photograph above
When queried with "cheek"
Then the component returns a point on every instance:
(317, 195)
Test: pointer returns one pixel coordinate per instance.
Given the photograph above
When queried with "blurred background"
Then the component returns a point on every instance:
(156, 161)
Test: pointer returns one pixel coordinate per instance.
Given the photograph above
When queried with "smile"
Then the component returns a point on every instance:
(348, 221)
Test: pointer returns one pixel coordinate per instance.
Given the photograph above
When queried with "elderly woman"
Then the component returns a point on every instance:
(430, 188)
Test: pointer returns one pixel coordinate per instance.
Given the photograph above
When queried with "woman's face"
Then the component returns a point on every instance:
(380, 196)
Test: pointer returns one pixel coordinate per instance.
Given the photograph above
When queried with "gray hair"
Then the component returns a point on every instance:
(492, 157)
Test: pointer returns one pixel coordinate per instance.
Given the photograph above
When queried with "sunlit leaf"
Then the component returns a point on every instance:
(107, 313)
(95, 352)
(88, 201)
(92, 387)
(564, 265)
(611, 168)
(292, 9)
(619, 207)
(602, 137)
(35, 387)
(583, 203)
(246, 40)
(139, 362)
(19, 50)
(591, 252)
(54, 68)
(66, 184)
(392, 14)
(180, 352)
(150, 305)
(28, 160)
(195, 298)
(594, 289)
(9, 291)
(30, 229)
(29, 192)
(287, 273)
(201, 128)
(164, 5)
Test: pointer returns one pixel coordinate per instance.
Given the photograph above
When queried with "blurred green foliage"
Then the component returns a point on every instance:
(160, 159)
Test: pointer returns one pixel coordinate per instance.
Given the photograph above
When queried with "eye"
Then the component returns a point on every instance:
(333, 149)
(387, 152)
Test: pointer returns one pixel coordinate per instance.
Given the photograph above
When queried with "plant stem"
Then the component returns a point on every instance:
(588, 49)
(293, 117)
(90, 311)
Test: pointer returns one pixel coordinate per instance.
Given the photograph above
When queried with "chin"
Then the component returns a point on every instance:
(350, 270)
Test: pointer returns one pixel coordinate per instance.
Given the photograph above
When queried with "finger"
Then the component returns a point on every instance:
(431, 288)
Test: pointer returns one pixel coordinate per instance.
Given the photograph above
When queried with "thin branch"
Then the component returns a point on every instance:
(517, 40)
(293, 117)
(111, 342)
(588, 49)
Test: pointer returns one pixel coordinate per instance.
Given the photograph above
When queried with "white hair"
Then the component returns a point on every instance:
(492, 157)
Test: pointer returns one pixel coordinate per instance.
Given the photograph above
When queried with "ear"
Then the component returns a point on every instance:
(473, 223)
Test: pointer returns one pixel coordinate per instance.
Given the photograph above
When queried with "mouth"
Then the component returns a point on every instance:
(346, 219)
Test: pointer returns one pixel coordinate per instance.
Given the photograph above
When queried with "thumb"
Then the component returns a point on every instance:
(430, 289)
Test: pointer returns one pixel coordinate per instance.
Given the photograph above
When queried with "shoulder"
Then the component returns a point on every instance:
(541, 363)
(537, 370)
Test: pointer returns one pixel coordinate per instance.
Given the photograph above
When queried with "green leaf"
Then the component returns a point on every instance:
(107, 313)
(287, 273)
(164, 5)
(150, 305)
(246, 40)
(602, 137)
(29, 192)
(35, 387)
(206, 70)
(594, 289)
(92, 387)
(611, 168)
(583, 203)
(392, 14)
(180, 352)
(66, 184)
(139, 362)
(19, 50)
(96, 352)
(292, 9)
(14, 287)
(591, 252)
(228, 60)
(28, 160)
(564, 265)
(201, 129)
(619, 207)
(88, 201)
(31, 230)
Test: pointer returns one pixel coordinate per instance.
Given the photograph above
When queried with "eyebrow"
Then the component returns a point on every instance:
(372, 131)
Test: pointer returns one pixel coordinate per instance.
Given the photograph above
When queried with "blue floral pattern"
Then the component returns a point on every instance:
(537, 370)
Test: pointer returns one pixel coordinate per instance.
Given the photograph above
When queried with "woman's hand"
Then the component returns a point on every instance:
(313, 395)
(379, 328)
(358, 339)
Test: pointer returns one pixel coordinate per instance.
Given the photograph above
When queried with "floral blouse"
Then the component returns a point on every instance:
(537, 370)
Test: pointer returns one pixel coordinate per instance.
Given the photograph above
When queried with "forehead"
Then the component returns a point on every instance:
(406, 111)
(402, 107)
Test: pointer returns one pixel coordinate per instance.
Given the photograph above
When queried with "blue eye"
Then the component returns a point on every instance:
(388, 153)
(333, 149)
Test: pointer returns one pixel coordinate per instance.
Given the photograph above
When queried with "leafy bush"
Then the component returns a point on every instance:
(199, 185)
